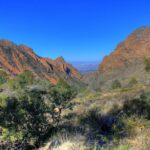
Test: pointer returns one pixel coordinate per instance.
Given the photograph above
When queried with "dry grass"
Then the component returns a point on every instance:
(68, 145)
(139, 137)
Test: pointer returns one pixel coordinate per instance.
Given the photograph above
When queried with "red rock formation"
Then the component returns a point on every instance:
(15, 59)
(135, 47)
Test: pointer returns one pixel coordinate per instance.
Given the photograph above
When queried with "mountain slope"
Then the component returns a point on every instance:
(125, 62)
(135, 47)
(14, 59)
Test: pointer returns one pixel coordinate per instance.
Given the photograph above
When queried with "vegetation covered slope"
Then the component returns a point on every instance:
(30, 110)
(112, 114)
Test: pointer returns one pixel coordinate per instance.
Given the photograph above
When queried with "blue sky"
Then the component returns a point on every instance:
(78, 30)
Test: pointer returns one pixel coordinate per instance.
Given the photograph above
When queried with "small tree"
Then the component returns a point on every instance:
(116, 84)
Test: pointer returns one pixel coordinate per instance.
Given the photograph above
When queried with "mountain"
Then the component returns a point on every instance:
(136, 47)
(14, 59)
(125, 62)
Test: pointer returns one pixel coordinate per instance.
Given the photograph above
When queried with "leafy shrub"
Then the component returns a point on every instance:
(61, 94)
(147, 64)
(116, 84)
(3, 77)
(22, 80)
(132, 82)
(102, 127)
(29, 114)
(63, 84)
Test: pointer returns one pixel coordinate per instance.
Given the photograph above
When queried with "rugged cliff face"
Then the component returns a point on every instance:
(14, 59)
(136, 47)
(125, 62)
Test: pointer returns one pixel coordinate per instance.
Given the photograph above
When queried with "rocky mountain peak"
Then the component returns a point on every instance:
(135, 47)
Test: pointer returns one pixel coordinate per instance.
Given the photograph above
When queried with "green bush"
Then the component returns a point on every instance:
(22, 80)
(61, 94)
(116, 84)
(147, 64)
(25, 114)
(132, 82)
(24, 117)
(3, 77)
(62, 84)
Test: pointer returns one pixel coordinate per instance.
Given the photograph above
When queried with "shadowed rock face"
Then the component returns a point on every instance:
(15, 59)
(135, 47)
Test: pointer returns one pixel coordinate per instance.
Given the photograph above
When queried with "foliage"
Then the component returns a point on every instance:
(62, 84)
(22, 80)
(116, 84)
(61, 94)
(147, 64)
(27, 116)
(3, 77)
(132, 82)
(122, 147)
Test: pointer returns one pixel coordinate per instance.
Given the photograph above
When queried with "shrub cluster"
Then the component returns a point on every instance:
(28, 116)
(116, 84)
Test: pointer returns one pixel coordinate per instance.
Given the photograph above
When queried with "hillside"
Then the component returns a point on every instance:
(125, 62)
(135, 48)
(14, 59)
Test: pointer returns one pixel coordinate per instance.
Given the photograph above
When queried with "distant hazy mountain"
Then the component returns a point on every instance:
(85, 67)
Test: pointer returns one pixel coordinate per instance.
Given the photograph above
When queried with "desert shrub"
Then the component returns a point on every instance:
(26, 114)
(116, 84)
(122, 147)
(102, 128)
(145, 96)
(132, 82)
(22, 80)
(29, 114)
(44, 84)
(147, 64)
(62, 84)
(61, 95)
(3, 77)
(137, 107)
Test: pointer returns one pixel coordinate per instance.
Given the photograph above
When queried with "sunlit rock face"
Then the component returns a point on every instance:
(134, 48)
(14, 59)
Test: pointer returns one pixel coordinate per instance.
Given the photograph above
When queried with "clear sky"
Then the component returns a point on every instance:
(75, 29)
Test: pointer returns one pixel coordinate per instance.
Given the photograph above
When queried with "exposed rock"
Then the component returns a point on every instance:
(125, 62)
(136, 47)
(14, 59)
